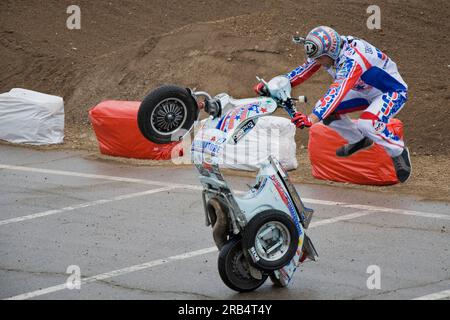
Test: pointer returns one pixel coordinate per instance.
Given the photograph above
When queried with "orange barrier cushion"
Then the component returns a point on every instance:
(371, 167)
(117, 131)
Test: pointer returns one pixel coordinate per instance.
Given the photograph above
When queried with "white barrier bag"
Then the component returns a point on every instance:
(31, 117)
(271, 136)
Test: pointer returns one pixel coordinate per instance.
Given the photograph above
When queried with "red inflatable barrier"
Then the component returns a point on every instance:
(116, 128)
(371, 167)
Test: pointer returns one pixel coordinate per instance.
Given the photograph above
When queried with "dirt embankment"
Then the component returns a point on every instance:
(126, 48)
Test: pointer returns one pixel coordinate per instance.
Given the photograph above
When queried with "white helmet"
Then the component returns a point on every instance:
(323, 41)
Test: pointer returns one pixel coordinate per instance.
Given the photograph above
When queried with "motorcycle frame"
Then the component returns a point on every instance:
(216, 186)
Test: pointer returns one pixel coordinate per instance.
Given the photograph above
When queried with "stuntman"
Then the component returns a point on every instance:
(364, 79)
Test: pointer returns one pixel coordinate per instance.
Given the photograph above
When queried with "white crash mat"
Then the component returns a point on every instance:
(271, 136)
(31, 117)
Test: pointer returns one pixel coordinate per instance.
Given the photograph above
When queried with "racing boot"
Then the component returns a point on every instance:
(402, 164)
(351, 148)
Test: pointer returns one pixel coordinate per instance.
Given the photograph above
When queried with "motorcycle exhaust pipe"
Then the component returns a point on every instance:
(219, 221)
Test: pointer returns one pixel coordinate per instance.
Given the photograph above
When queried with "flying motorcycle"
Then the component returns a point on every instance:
(260, 234)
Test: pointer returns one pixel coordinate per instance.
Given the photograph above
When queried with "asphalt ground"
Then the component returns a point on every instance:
(137, 232)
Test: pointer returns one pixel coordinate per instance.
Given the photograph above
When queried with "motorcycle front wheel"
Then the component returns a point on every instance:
(167, 114)
(234, 268)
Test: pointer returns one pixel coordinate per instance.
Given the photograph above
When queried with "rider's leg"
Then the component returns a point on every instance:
(348, 129)
(373, 124)
(345, 127)
(373, 121)
(339, 121)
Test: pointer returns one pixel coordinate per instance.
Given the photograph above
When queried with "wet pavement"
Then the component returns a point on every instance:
(137, 232)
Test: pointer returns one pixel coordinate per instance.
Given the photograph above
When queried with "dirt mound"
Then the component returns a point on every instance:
(126, 48)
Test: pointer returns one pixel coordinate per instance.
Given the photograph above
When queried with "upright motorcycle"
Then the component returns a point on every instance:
(260, 233)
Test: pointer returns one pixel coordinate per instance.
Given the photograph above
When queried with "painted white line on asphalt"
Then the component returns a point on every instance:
(159, 262)
(196, 187)
(382, 209)
(340, 218)
(98, 176)
(83, 205)
(435, 296)
(114, 273)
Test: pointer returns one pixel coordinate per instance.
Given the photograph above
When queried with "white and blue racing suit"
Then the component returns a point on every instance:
(364, 79)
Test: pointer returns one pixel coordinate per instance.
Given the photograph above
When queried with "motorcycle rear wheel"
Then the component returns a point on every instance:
(272, 237)
(234, 268)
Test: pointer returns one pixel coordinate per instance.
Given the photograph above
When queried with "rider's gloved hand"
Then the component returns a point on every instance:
(301, 120)
(261, 89)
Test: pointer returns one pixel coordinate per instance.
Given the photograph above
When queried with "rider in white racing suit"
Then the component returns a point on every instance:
(364, 79)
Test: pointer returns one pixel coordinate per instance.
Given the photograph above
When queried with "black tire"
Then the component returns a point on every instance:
(233, 268)
(166, 114)
(282, 220)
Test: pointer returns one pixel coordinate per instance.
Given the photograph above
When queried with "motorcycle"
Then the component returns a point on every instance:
(260, 234)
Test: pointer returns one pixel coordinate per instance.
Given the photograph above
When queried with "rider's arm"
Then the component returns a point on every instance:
(346, 78)
(303, 72)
